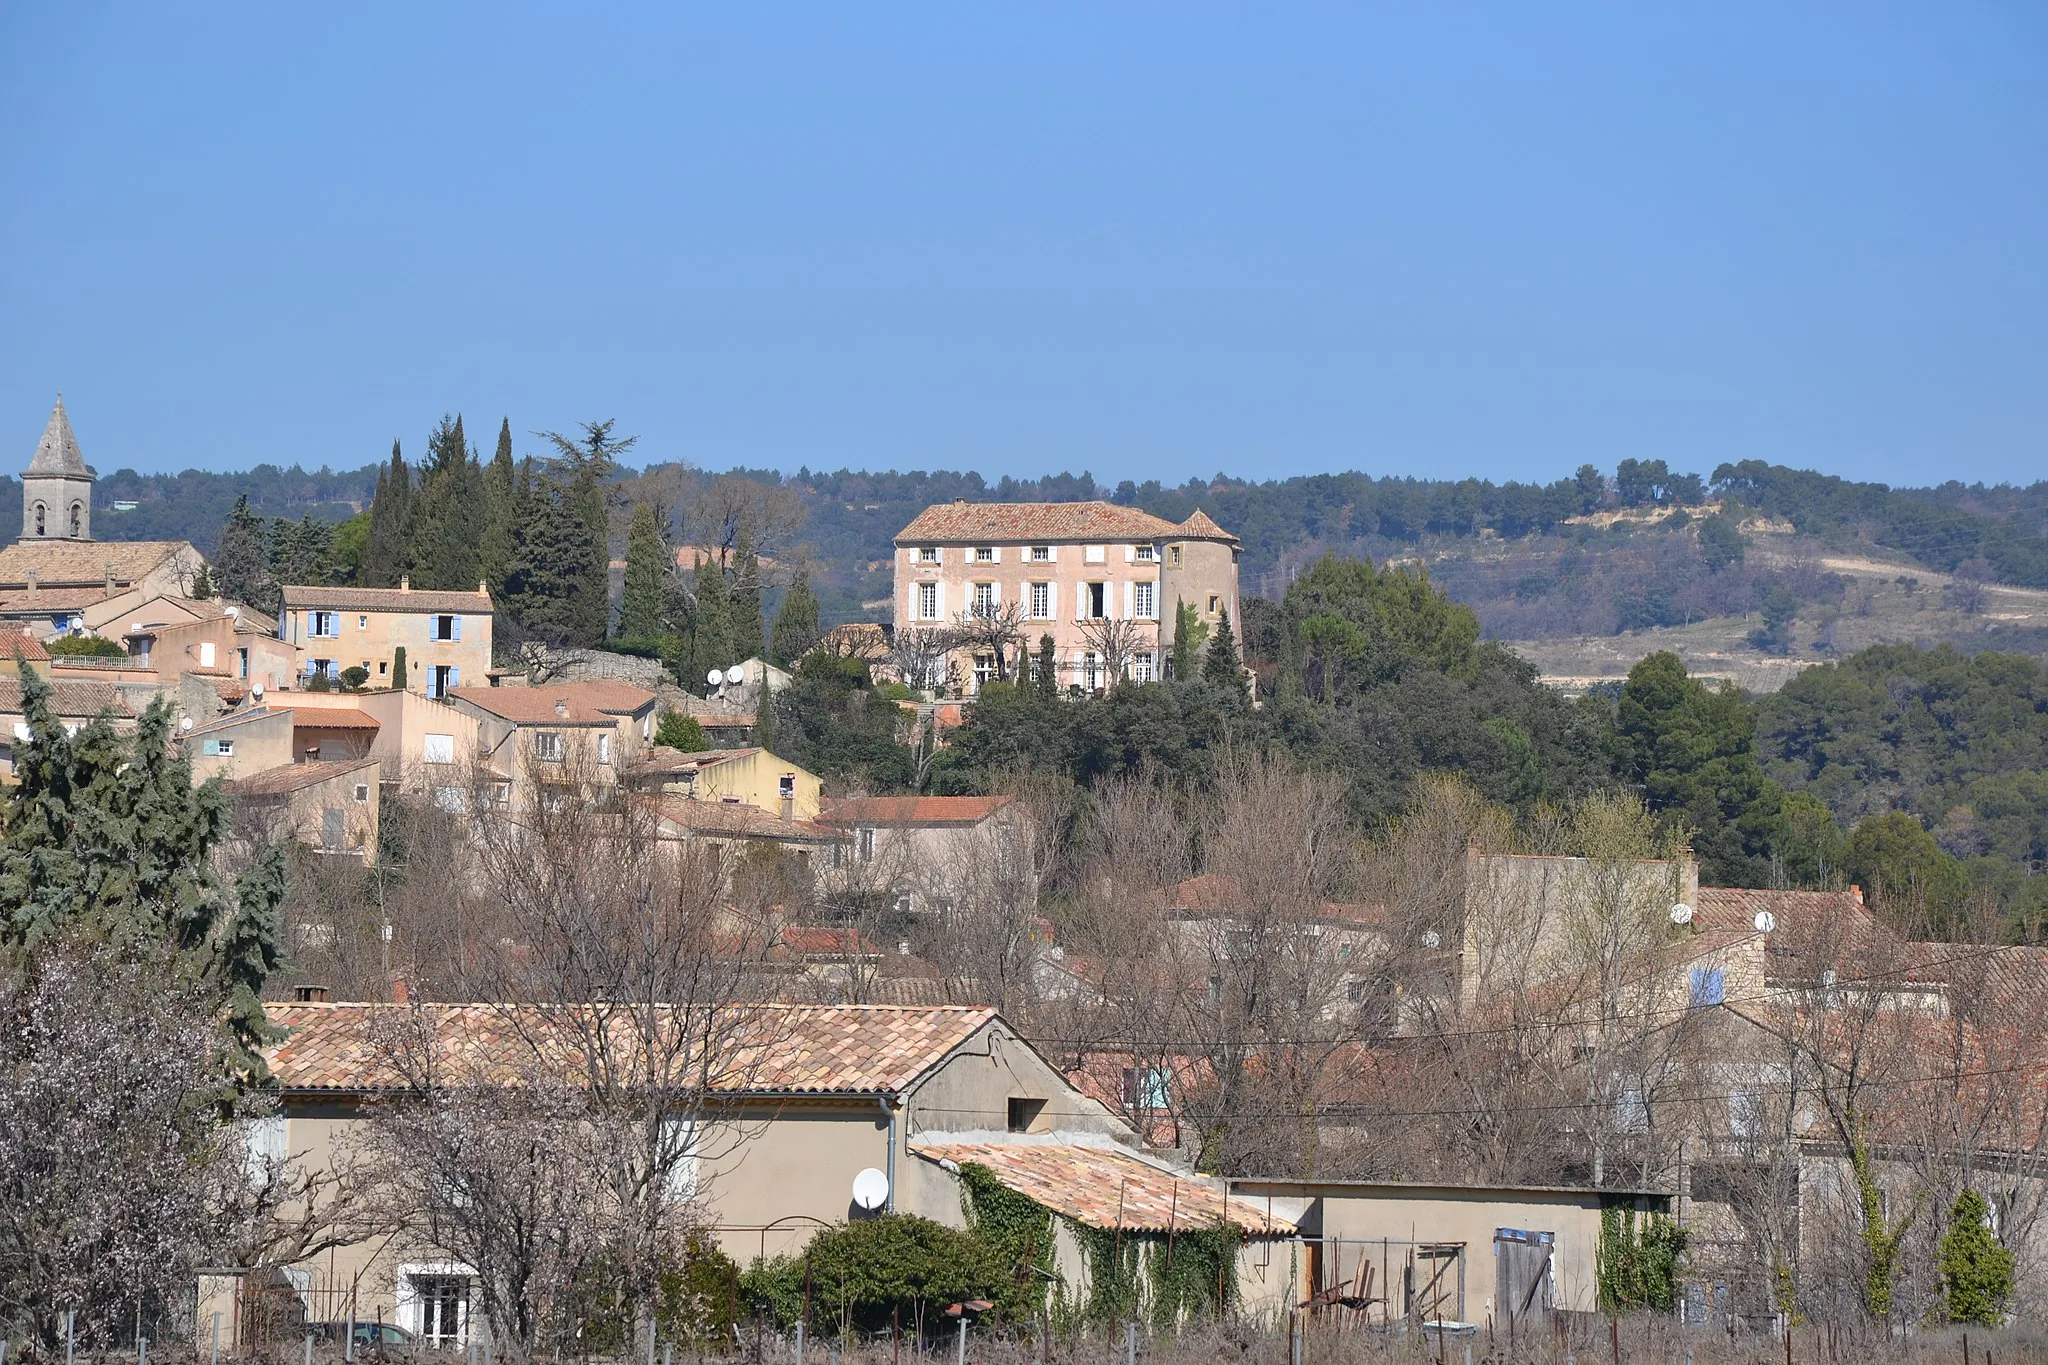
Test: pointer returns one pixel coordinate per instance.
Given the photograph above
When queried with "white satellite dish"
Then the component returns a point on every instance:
(1681, 913)
(714, 677)
(256, 690)
(1431, 939)
(184, 722)
(871, 1189)
(1765, 921)
(735, 675)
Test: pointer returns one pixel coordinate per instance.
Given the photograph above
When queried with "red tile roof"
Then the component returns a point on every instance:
(72, 698)
(1200, 527)
(736, 819)
(1105, 1188)
(21, 645)
(299, 596)
(980, 522)
(912, 810)
(287, 778)
(789, 1049)
(85, 563)
(330, 718)
(580, 703)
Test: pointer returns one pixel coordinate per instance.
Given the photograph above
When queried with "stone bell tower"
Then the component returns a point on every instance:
(56, 488)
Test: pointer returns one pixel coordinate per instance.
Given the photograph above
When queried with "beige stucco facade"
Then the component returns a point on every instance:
(446, 635)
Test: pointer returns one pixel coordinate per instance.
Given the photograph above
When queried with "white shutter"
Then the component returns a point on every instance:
(1130, 554)
(999, 554)
(1080, 601)
(995, 593)
(1052, 554)
(1130, 598)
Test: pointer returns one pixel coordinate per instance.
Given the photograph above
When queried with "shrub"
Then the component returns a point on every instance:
(354, 678)
(1976, 1272)
(682, 732)
(87, 646)
(874, 1270)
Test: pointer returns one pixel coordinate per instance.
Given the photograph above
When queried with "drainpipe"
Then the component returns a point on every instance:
(889, 1108)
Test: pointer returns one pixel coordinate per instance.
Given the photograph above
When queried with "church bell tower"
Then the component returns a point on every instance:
(56, 488)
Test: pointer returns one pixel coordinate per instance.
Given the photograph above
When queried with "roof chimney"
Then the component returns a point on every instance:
(562, 707)
(110, 580)
(405, 582)
(310, 995)
(1857, 892)
(483, 587)
(401, 994)
(32, 577)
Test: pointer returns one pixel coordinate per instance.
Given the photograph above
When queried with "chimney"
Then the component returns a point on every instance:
(401, 994)
(483, 588)
(1857, 892)
(32, 576)
(110, 580)
(405, 582)
(310, 995)
(903, 947)
(562, 707)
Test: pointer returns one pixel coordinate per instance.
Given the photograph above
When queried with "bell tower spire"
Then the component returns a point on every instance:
(56, 488)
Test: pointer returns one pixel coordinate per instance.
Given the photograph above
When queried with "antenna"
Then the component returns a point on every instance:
(714, 677)
(735, 675)
(871, 1189)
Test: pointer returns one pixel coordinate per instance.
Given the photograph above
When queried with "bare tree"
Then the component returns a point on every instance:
(1118, 641)
(774, 513)
(995, 630)
(920, 653)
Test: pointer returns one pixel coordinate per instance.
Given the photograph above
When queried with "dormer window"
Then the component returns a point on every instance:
(1147, 554)
(1041, 554)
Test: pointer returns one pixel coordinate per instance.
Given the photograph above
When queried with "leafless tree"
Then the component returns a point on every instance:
(1118, 641)
(996, 630)
(773, 513)
(920, 653)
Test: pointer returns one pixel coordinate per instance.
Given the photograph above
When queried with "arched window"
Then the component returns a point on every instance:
(77, 518)
(42, 519)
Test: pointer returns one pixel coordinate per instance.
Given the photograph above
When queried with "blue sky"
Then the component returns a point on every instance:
(1152, 241)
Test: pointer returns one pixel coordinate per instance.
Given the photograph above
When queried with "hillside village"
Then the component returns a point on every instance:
(1309, 943)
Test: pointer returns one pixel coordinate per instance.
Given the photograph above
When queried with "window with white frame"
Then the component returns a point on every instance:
(547, 745)
(1041, 554)
(604, 748)
(1091, 670)
(1145, 600)
(1041, 601)
(323, 624)
(1142, 666)
(984, 599)
(927, 601)
(1146, 554)
(266, 1149)
(984, 554)
(984, 670)
(362, 623)
(437, 749)
(864, 845)
(927, 554)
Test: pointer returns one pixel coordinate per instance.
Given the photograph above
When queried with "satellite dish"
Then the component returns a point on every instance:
(871, 1189)
(1430, 938)
(1765, 921)
(256, 689)
(735, 675)
(184, 722)
(714, 677)
(1681, 913)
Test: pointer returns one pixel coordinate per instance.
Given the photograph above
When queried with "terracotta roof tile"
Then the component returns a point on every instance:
(912, 810)
(1108, 1189)
(72, 698)
(1200, 527)
(296, 777)
(22, 645)
(330, 718)
(85, 563)
(739, 820)
(972, 522)
(300, 596)
(582, 703)
(791, 1049)
(42, 601)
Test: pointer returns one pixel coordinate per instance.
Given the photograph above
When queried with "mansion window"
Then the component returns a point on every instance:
(547, 745)
(984, 554)
(1142, 667)
(927, 602)
(445, 628)
(1041, 554)
(927, 554)
(984, 670)
(1041, 602)
(985, 599)
(323, 624)
(1145, 600)
(1146, 554)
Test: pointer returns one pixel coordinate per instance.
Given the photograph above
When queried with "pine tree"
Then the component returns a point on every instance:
(106, 836)
(1220, 664)
(710, 633)
(242, 564)
(643, 601)
(540, 589)
(746, 592)
(796, 623)
(587, 531)
(302, 551)
(1976, 1272)
(499, 541)
(388, 554)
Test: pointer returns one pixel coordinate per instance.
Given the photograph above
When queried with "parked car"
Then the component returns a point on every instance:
(376, 1335)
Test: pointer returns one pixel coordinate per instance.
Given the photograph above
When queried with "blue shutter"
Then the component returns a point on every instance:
(455, 677)
(211, 746)
(457, 623)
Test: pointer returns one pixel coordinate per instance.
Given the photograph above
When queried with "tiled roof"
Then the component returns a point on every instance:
(739, 820)
(789, 1049)
(228, 722)
(296, 777)
(582, 703)
(43, 601)
(1200, 527)
(975, 522)
(1108, 1189)
(83, 563)
(330, 718)
(912, 810)
(22, 645)
(821, 940)
(1812, 931)
(301, 596)
(72, 698)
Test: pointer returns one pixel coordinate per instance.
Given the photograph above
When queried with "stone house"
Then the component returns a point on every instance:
(525, 740)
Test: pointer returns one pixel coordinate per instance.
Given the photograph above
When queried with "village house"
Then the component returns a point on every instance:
(748, 776)
(330, 805)
(926, 851)
(446, 636)
(1069, 570)
(521, 741)
(73, 703)
(221, 640)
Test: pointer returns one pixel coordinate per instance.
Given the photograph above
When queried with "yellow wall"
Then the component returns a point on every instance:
(755, 779)
(371, 638)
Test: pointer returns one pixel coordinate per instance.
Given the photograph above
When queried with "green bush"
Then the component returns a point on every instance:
(1976, 1272)
(86, 646)
(681, 732)
(874, 1270)
(1638, 1266)
(354, 678)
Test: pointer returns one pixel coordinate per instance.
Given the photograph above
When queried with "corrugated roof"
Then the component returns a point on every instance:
(299, 595)
(83, 563)
(975, 522)
(296, 777)
(889, 811)
(789, 1049)
(1108, 1189)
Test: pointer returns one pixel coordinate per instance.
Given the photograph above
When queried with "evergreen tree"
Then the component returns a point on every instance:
(302, 551)
(1188, 635)
(796, 623)
(584, 530)
(448, 513)
(1976, 1272)
(499, 542)
(242, 563)
(202, 585)
(680, 732)
(1045, 677)
(746, 592)
(710, 633)
(398, 668)
(643, 602)
(540, 590)
(107, 837)
(387, 555)
(1220, 665)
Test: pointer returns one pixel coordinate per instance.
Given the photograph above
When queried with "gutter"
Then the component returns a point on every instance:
(890, 1104)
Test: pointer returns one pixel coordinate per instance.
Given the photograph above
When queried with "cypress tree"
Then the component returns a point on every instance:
(448, 515)
(398, 668)
(796, 623)
(585, 530)
(642, 602)
(388, 555)
(202, 585)
(1220, 665)
(499, 542)
(539, 591)
(746, 592)
(1045, 682)
(711, 644)
(242, 564)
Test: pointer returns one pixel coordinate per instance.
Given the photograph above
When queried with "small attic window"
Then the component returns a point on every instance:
(1024, 1112)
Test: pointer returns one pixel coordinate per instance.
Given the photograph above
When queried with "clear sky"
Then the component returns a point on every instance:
(1151, 241)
